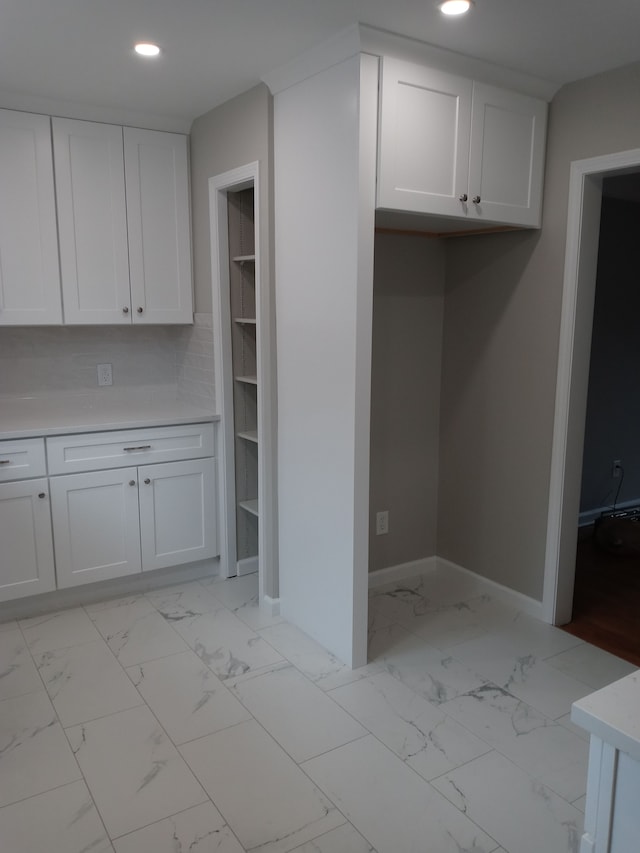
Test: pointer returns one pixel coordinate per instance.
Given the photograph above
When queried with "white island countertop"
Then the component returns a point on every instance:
(27, 417)
(613, 714)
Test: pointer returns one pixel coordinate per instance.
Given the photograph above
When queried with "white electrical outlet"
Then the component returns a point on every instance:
(105, 374)
(616, 468)
(382, 522)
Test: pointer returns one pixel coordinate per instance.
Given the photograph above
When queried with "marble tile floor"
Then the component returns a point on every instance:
(188, 719)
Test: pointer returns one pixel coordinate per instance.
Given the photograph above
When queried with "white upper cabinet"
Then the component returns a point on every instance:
(506, 156)
(453, 147)
(123, 212)
(29, 276)
(157, 179)
(425, 122)
(92, 220)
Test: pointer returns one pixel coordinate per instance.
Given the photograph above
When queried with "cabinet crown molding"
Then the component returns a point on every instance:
(360, 38)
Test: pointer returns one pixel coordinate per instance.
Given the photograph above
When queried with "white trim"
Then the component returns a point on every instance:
(359, 38)
(248, 175)
(380, 577)
(385, 43)
(88, 112)
(558, 572)
(522, 602)
(248, 566)
(224, 387)
(271, 605)
(330, 52)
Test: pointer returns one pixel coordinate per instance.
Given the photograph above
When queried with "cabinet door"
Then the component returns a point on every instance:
(26, 550)
(178, 513)
(506, 160)
(424, 139)
(94, 259)
(29, 278)
(95, 525)
(157, 175)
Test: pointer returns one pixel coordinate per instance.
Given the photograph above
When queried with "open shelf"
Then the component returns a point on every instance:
(245, 321)
(248, 380)
(250, 506)
(244, 259)
(249, 435)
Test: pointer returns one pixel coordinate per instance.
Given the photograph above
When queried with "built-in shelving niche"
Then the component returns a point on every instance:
(242, 296)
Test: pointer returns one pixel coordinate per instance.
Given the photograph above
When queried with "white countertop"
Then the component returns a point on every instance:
(613, 714)
(26, 417)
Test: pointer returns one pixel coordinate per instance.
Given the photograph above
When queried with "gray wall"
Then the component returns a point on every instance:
(501, 326)
(231, 135)
(408, 293)
(613, 407)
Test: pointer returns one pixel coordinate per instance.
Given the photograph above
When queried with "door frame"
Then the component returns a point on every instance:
(581, 256)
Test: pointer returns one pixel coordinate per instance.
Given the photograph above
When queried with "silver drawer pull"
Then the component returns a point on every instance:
(132, 482)
(5, 462)
(42, 495)
(140, 447)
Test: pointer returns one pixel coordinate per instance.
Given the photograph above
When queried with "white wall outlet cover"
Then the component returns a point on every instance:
(105, 374)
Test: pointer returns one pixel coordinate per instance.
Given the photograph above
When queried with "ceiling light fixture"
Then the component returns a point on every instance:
(146, 49)
(455, 7)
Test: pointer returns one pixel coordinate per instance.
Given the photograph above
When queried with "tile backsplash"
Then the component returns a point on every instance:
(61, 360)
(195, 365)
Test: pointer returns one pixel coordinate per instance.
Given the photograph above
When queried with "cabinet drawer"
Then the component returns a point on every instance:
(21, 459)
(69, 454)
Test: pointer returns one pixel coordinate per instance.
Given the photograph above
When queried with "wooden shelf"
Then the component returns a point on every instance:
(250, 507)
(248, 380)
(249, 435)
(245, 321)
(244, 259)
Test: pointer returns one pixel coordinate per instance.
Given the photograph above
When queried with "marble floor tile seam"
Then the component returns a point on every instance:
(449, 652)
(421, 780)
(490, 745)
(497, 751)
(170, 817)
(144, 703)
(299, 766)
(112, 838)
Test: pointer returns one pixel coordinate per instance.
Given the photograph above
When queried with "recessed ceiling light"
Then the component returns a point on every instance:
(146, 49)
(455, 7)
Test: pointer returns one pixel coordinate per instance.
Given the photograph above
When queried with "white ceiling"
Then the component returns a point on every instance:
(80, 50)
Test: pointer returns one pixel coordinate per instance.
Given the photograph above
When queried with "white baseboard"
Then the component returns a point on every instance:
(91, 593)
(486, 586)
(525, 603)
(404, 570)
(272, 605)
(247, 566)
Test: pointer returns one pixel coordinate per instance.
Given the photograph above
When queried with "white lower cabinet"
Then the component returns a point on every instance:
(122, 520)
(177, 513)
(132, 501)
(26, 546)
(96, 525)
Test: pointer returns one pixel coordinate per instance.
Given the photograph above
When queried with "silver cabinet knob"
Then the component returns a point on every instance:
(132, 482)
(140, 309)
(125, 310)
(476, 199)
(42, 495)
(146, 481)
(463, 197)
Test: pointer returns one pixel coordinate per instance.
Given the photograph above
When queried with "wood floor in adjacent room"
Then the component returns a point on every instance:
(606, 602)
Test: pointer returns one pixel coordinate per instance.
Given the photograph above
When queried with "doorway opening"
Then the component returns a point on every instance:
(583, 229)
(606, 599)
